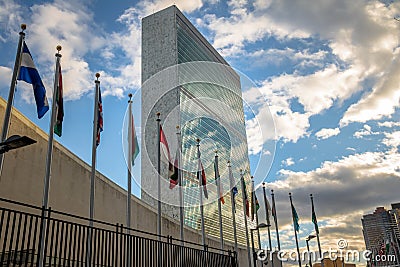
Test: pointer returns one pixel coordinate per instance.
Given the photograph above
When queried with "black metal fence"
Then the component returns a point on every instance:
(68, 240)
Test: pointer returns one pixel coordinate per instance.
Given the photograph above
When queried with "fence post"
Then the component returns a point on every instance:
(39, 261)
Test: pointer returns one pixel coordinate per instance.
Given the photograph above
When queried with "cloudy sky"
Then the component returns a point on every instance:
(329, 72)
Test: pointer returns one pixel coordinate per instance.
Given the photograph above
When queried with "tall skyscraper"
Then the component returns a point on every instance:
(191, 85)
(381, 232)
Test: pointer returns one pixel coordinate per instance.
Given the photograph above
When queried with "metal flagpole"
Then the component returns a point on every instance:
(244, 215)
(268, 223)
(7, 114)
(181, 199)
(129, 192)
(231, 186)
(94, 147)
(275, 219)
(158, 177)
(128, 197)
(253, 201)
(317, 233)
(295, 232)
(218, 183)
(93, 170)
(49, 154)
(203, 233)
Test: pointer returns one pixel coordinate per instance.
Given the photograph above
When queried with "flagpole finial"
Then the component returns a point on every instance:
(263, 184)
(272, 191)
(23, 26)
(252, 177)
(198, 141)
(130, 97)
(290, 194)
(58, 47)
(216, 153)
(177, 127)
(97, 75)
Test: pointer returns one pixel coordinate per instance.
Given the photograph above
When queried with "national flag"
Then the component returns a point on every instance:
(234, 189)
(29, 74)
(269, 211)
(203, 180)
(295, 219)
(99, 118)
(60, 105)
(173, 178)
(165, 152)
(255, 206)
(135, 144)
(246, 199)
(314, 220)
(218, 181)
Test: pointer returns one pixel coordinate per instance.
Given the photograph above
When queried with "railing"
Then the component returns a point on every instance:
(68, 240)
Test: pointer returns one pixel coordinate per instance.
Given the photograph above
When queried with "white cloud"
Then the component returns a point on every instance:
(288, 162)
(392, 139)
(326, 133)
(366, 131)
(10, 18)
(389, 124)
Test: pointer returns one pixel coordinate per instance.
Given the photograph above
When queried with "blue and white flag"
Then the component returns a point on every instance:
(29, 74)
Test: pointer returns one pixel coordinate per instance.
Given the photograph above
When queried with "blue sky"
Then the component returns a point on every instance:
(329, 72)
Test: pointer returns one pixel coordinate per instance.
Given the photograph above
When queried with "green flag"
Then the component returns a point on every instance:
(60, 105)
(295, 219)
(314, 220)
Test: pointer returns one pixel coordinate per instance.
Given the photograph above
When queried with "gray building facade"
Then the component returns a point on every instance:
(191, 85)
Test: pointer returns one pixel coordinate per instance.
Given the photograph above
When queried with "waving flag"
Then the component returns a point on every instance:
(29, 74)
(218, 181)
(314, 220)
(246, 199)
(173, 178)
(60, 105)
(135, 144)
(204, 180)
(295, 219)
(99, 119)
(234, 189)
(165, 154)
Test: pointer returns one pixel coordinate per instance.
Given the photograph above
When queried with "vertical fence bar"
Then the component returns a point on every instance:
(51, 241)
(46, 218)
(57, 226)
(70, 243)
(75, 235)
(5, 238)
(61, 241)
(21, 249)
(28, 241)
(34, 240)
(17, 238)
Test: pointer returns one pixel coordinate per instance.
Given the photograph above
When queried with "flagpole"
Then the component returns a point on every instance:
(7, 114)
(93, 170)
(268, 224)
(231, 185)
(317, 232)
(244, 215)
(218, 183)
(181, 199)
(295, 232)
(129, 192)
(159, 178)
(254, 206)
(45, 199)
(203, 234)
(276, 220)
(94, 147)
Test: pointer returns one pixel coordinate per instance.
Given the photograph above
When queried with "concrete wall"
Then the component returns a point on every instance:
(23, 176)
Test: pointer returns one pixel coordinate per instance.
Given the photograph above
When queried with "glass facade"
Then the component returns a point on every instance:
(212, 112)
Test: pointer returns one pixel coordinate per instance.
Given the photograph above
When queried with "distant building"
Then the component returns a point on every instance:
(381, 232)
(200, 108)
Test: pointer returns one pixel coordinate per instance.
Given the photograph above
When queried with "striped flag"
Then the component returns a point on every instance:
(99, 119)
(314, 220)
(29, 74)
(218, 181)
(166, 155)
(60, 105)
(135, 144)
(173, 178)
